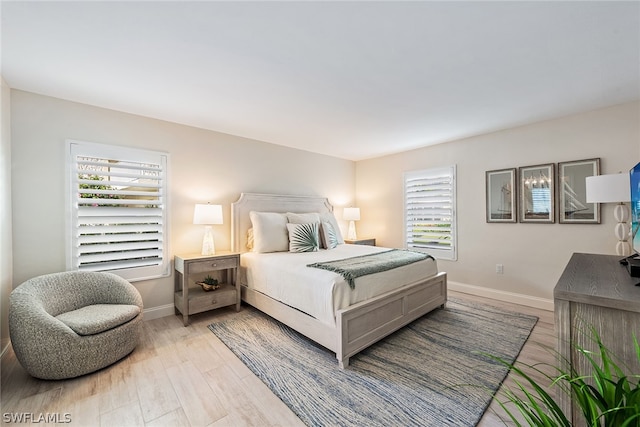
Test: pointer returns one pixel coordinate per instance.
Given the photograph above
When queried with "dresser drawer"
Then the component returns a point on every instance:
(196, 267)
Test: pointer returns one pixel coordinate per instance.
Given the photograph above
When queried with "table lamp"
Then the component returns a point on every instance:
(614, 188)
(207, 214)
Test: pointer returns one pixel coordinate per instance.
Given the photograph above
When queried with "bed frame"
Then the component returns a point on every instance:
(357, 326)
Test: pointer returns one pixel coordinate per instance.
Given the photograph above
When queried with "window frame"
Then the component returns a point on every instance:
(444, 254)
(75, 149)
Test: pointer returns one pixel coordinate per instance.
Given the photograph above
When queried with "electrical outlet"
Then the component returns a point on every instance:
(499, 269)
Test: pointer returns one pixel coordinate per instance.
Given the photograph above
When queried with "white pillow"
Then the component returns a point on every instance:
(303, 237)
(303, 218)
(331, 219)
(328, 236)
(269, 232)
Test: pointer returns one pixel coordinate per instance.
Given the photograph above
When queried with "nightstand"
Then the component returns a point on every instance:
(190, 298)
(370, 242)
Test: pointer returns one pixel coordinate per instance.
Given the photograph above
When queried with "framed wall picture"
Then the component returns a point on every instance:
(537, 194)
(501, 195)
(572, 193)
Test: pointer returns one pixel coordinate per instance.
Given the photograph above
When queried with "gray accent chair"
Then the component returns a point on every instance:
(64, 325)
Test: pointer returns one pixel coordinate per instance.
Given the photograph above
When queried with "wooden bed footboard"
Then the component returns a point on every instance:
(365, 323)
(361, 324)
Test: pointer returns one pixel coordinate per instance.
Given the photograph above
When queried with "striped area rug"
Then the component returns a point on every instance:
(418, 376)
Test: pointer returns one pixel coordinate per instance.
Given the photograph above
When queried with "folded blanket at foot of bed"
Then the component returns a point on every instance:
(352, 268)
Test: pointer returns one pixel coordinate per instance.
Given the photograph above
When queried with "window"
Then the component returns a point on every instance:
(118, 219)
(430, 211)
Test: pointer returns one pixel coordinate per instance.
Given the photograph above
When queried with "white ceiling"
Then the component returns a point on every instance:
(349, 79)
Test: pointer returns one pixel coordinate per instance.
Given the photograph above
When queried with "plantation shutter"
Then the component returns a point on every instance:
(118, 210)
(430, 222)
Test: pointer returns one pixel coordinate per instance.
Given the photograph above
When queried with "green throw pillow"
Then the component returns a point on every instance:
(329, 237)
(303, 237)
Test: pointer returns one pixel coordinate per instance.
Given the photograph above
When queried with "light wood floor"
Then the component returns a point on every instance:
(181, 376)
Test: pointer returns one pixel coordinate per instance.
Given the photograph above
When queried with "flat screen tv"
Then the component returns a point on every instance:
(635, 207)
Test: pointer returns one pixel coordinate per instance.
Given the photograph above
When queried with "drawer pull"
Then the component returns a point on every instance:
(214, 302)
(214, 265)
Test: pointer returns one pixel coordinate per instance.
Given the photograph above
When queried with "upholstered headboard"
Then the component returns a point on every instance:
(240, 221)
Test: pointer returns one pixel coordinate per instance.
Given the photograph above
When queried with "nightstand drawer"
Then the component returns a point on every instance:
(216, 264)
(200, 301)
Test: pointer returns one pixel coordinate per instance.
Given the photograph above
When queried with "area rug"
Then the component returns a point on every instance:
(429, 373)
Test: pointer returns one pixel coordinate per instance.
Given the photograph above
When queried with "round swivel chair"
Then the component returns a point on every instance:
(64, 325)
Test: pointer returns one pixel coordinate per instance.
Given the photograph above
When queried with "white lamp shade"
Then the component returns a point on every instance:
(614, 188)
(207, 214)
(351, 214)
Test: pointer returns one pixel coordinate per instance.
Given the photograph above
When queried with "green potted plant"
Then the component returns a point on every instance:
(208, 284)
(606, 396)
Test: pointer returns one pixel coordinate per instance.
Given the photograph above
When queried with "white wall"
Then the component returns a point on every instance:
(533, 255)
(204, 166)
(210, 166)
(5, 212)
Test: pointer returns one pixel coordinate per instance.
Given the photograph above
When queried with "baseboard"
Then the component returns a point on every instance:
(5, 348)
(536, 302)
(158, 312)
(541, 303)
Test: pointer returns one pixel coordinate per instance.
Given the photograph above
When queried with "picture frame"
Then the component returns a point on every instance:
(536, 189)
(572, 193)
(501, 195)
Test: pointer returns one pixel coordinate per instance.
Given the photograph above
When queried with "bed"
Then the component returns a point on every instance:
(347, 320)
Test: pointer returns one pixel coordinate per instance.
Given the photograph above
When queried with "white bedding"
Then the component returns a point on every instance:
(284, 276)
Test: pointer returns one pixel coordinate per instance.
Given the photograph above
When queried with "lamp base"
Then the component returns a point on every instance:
(623, 248)
(208, 247)
(621, 230)
(351, 233)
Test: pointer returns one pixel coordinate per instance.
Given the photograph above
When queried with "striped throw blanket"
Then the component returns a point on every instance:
(352, 268)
